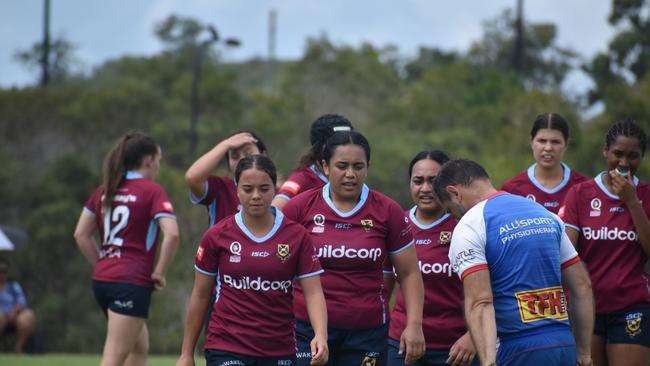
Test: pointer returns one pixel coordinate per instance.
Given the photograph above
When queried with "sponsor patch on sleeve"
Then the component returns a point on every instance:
(290, 186)
(545, 303)
(199, 254)
(168, 206)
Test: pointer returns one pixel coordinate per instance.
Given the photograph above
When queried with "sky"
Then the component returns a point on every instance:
(108, 29)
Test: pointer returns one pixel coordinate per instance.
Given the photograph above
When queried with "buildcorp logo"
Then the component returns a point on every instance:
(605, 233)
(329, 251)
(435, 268)
(256, 284)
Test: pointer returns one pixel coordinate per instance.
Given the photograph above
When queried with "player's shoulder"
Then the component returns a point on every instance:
(577, 177)
(514, 182)
(145, 184)
(643, 190)
(643, 186)
(449, 222)
(307, 197)
(98, 192)
(227, 224)
(221, 180)
(473, 216)
(300, 174)
(292, 226)
(381, 199)
(586, 188)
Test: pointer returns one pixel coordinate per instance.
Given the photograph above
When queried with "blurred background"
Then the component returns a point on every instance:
(465, 76)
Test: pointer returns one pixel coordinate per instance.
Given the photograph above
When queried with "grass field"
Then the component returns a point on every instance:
(62, 359)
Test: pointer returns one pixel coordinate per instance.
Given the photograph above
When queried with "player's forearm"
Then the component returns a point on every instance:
(201, 169)
(582, 315)
(194, 321)
(641, 224)
(88, 248)
(581, 308)
(413, 291)
(317, 311)
(482, 327)
(168, 249)
(315, 302)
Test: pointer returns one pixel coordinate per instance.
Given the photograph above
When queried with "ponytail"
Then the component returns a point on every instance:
(125, 155)
(307, 159)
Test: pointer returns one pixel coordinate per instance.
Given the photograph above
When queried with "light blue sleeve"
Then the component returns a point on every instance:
(20, 295)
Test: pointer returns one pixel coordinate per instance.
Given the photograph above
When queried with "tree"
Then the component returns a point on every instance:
(63, 60)
(543, 62)
(627, 60)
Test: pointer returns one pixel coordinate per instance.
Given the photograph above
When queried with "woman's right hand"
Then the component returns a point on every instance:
(319, 350)
(238, 140)
(185, 361)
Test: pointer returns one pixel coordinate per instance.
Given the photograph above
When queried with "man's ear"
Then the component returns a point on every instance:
(453, 192)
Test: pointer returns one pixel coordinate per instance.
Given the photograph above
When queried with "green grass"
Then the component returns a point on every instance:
(62, 359)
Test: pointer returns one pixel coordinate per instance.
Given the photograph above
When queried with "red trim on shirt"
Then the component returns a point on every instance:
(470, 270)
(570, 262)
(493, 195)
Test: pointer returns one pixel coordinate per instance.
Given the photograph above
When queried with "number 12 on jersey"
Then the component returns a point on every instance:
(115, 220)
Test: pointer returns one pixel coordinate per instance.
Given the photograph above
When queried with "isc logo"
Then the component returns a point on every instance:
(260, 254)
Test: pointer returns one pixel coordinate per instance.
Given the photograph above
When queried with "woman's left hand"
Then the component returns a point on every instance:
(159, 281)
(623, 187)
(319, 350)
(412, 342)
(462, 352)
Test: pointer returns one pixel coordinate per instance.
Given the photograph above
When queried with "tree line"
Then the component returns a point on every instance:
(472, 104)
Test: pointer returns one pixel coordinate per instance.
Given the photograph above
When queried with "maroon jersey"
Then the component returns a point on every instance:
(525, 184)
(220, 198)
(302, 180)
(352, 247)
(442, 319)
(253, 311)
(608, 244)
(129, 230)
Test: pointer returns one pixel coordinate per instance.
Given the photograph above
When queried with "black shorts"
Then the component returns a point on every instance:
(123, 298)
(214, 357)
(365, 347)
(432, 357)
(631, 326)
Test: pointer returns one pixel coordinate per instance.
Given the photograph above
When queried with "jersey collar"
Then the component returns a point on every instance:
(328, 200)
(599, 182)
(422, 226)
(133, 175)
(563, 183)
(318, 173)
(276, 225)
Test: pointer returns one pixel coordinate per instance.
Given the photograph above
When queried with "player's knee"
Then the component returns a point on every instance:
(26, 320)
(141, 346)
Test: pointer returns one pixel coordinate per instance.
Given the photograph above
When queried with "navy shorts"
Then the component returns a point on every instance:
(364, 347)
(432, 357)
(551, 345)
(123, 298)
(214, 357)
(631, 326)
